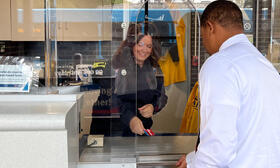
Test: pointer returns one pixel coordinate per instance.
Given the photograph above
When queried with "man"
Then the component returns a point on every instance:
(240, 94)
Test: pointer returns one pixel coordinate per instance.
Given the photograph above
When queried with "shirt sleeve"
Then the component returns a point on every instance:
(161, 100)
(220, 104)
(189, 158)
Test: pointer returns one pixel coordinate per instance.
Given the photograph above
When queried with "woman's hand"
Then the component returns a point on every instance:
(146, 110)
(136, 126)
(181, 163)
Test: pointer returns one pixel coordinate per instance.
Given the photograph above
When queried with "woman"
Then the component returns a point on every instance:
(140, 93)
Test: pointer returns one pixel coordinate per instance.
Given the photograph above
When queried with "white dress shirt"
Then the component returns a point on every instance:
(240, 109)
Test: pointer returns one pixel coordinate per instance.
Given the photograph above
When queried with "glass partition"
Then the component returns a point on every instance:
(22, 59)
(159, 33)
(141, 77)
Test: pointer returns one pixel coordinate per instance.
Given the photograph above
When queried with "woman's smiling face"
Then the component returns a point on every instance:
(143, 49)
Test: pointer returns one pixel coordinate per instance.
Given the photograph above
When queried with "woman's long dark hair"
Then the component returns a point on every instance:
(134, 35)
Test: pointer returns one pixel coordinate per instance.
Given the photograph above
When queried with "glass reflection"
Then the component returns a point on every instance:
(151, 49)
(140, 93)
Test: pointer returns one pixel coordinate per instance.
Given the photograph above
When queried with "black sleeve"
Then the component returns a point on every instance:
(162, 98)
(127, 110)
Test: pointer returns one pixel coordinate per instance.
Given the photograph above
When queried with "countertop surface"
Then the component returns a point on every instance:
(36, 112)
(140, 149)
(34, 115)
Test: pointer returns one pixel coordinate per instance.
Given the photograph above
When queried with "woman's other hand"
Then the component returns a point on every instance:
(146, 110)
(136, 126)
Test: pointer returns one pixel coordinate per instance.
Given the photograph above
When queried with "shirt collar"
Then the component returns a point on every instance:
(233, 40)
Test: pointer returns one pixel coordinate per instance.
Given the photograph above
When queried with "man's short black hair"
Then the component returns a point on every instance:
(225, 13)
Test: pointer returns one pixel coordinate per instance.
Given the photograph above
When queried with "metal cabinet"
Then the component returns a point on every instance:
(27, 20)
(85, 20)
(5, 29)
(75, 20)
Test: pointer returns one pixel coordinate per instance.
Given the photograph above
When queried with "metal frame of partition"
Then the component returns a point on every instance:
(50, 46)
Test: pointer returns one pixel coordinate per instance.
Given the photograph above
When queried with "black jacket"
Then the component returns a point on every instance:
(129, 103)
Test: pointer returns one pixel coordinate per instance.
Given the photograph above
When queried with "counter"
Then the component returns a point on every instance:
(129, 152)
(42, 131)
(39, 131)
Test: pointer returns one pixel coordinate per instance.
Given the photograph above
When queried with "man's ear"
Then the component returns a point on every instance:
(210, 26)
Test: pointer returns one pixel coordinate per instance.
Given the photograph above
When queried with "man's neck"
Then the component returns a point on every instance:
(226, 33)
